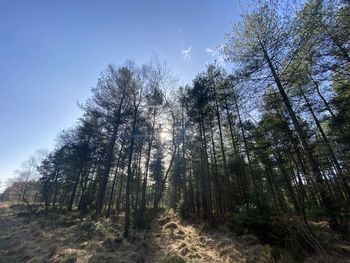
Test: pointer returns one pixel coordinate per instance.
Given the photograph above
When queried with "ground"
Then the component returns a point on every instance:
(68, 237)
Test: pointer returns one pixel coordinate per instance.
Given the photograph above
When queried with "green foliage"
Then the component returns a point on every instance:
(284, 233)
(322, 232)
(181, 209)
(341, 102)
(270, 227)
(92, 228)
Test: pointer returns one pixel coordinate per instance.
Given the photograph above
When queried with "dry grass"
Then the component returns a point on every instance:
(69, 238)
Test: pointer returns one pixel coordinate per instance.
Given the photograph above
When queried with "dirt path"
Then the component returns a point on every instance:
(69, 238)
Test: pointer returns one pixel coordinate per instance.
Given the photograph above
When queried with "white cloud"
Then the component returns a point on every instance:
(216, 54)
(210, 51)
(187, 53)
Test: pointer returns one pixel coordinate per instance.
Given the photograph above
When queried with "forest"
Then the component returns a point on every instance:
(259, 148)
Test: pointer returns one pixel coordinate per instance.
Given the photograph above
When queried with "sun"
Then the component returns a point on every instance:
(164, 135)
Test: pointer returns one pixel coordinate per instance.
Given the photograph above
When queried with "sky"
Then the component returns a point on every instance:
(52, 53)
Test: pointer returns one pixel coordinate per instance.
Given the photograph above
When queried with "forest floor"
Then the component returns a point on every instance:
(67, 237)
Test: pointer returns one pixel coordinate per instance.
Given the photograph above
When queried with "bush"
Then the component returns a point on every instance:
(270, 227)
(93, 229)
(282, 232)
(181, 209)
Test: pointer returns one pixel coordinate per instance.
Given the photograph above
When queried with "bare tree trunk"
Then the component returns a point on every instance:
(208, 206)
(328, 203)
(76, 182)
(141, 221)
(341, 175)
(110, 202)
(103, 180)
(255, 189)
(128, 179)
(241, 174)
(218, 191)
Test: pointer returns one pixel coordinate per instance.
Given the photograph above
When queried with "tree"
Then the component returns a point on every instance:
(259, 44)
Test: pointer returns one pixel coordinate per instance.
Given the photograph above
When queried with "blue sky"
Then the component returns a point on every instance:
(52, 52)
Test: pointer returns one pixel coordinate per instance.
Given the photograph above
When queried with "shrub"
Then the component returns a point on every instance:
(274, 228)
(181, 209)
(270, 227)
(93, 229)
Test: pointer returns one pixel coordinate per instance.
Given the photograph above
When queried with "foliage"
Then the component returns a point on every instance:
(181, 209)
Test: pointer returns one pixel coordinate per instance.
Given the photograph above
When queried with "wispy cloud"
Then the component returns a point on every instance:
(216, 54)
(210, 51)
(187, 53)
(179, 30)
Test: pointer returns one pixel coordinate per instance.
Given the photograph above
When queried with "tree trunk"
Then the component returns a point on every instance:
(110, 201)
(128, 179)
(76, 182)
(334, 159)
(208, 206)
(141, 220)
(328, 203)
(255, 193)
